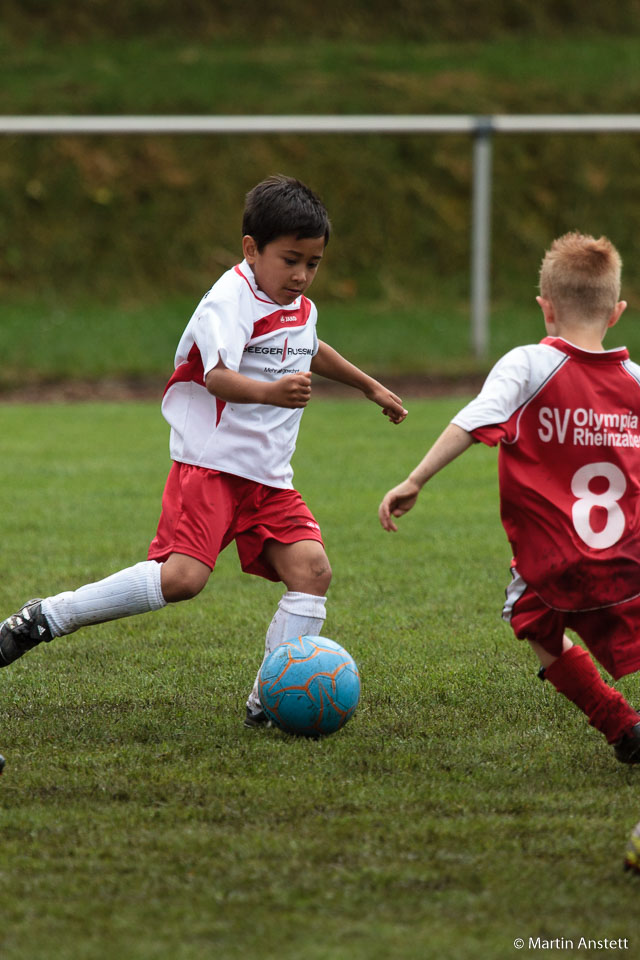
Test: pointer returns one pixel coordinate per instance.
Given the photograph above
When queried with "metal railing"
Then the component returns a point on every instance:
(481, 128)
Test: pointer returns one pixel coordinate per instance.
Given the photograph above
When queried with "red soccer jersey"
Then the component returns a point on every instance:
(567, 421)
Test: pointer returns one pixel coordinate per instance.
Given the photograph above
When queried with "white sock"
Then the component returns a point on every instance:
(134, 590)
(298, 615)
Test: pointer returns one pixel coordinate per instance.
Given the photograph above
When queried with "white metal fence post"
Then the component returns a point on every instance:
(481, 236)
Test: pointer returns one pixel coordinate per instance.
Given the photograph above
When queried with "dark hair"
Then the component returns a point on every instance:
(281, 205)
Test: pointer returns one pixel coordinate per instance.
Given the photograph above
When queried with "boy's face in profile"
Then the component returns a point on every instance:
(286, 267)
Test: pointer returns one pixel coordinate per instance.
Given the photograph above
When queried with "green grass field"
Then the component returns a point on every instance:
(464, 806)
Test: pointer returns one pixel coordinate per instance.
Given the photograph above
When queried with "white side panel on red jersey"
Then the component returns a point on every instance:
(236, 322)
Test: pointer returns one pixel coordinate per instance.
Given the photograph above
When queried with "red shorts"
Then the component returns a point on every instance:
(204, 510)
(612, 634)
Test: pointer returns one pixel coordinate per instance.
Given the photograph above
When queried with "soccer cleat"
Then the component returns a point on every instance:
(259, 719)
(627, 748)
(23, 631)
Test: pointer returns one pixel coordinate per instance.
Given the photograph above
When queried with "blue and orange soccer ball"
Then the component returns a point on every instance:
(309, 686)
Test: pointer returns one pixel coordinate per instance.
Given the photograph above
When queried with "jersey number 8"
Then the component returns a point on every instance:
(607, 500)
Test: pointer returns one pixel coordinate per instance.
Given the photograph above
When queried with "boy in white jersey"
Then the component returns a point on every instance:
(242, 379)
(566, 414)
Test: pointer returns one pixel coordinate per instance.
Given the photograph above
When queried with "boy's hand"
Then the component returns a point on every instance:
(292, 390)
(390, 403)
(397, 502)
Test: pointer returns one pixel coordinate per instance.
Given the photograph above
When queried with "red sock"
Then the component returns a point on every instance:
(575, 675)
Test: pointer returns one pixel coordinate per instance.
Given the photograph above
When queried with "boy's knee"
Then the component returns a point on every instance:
(323, 574)
(314, 577)
(302, 566)
(183, 579)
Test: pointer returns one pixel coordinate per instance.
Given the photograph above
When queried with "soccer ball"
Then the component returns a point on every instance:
(632, 853)
(309, 686)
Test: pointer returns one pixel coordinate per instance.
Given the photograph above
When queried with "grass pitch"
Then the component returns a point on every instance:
(464, 806)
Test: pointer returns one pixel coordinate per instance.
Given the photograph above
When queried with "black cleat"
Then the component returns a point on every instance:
(259, 719)
(627, 748)
(23, 631)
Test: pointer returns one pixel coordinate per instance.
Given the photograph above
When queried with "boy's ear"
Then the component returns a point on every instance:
(547, 309)
(617, 312)
(249, 249)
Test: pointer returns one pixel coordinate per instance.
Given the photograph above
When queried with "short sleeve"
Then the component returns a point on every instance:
(220, 334)
(513, 381)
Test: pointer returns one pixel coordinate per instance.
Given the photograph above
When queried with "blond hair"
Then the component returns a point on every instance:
(581, 276)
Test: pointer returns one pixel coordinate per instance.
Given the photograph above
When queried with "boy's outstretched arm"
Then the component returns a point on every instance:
(450, 444)
(332, 365)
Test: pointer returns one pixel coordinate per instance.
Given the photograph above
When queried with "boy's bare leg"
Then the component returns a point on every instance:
(302, 566)
(575, 675)
(305, 571)
(183, 577)
(545, 658)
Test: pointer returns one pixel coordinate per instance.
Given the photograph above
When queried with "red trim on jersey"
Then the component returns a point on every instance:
(248, 283)
(192, 370)
(283, 319)
(598, 356)
(276, 320)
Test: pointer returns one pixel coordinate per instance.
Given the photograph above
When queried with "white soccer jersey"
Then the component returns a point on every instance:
(568, 424)
(237, 323)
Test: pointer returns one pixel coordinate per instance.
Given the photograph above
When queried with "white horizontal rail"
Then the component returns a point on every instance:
(567, 123)
(235, 125)
(347, 124)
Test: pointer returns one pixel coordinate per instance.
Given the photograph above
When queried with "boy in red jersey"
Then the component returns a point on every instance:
(566, 414)
(242, 379)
